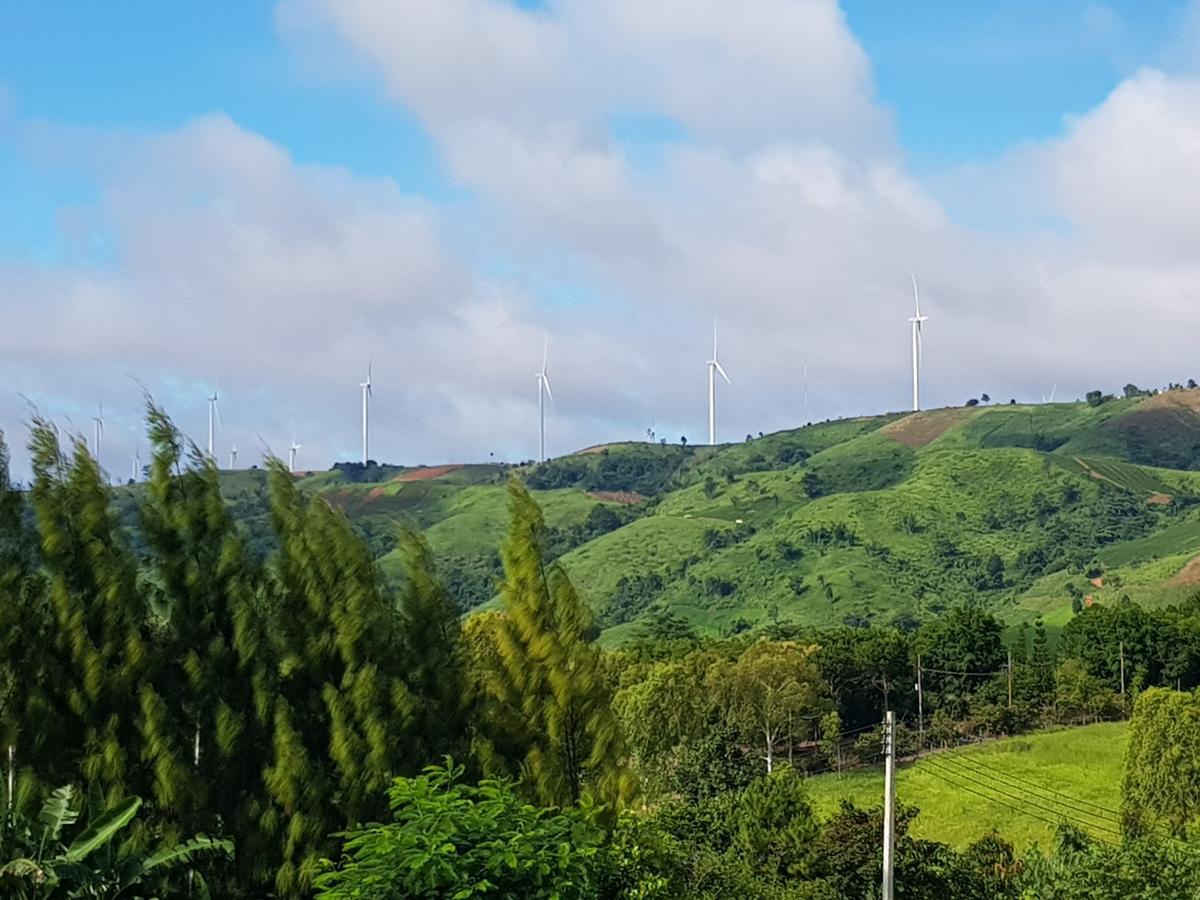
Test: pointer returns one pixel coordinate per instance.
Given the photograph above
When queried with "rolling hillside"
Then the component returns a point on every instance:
(1031, 510)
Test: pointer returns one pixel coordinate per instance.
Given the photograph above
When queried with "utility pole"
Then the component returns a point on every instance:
(889, 802)
(11, 754)
(920, 710)
(1010, 679)
(1121, 645)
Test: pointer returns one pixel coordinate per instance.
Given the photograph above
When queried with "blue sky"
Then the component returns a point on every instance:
(967, 81)
(459, 177)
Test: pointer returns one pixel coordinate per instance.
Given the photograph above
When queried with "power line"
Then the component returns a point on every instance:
(1033, 785)
(928, 671)
(1082, 814)
(1022, 805)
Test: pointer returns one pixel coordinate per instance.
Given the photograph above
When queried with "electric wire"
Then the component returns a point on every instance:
(1027, 784)
(1075, 812)
(1016, 804)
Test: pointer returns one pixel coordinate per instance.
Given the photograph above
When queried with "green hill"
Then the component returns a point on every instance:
(1029, 510)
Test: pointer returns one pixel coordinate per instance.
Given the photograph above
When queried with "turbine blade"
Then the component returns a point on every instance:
(546, 382)
(916, 296)
(545, 352)
(721, 369)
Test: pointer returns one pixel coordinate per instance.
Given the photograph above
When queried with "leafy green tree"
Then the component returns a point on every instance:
(670, 706)
(773, 691)
(40, 865)
(1080, 868)
(1161, 780)
(449, 839)
(545, 679)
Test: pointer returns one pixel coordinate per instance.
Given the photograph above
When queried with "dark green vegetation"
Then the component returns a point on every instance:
(279, 685)
(1027, 510)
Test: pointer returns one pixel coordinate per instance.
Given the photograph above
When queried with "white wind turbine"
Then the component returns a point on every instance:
(233, 457)
(213, 417)
(916, 321)
(714, 366)
(292, 450)
(365, 386)
(1050, 399)
(543, 384)
(137, 464)
(97, 433)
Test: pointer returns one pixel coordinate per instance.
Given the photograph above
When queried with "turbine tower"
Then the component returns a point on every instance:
(97, 433)
(714, 366)
(292, 455)
(233, 457)
(213, 418)
(366, 399)
(916, 321)
(137, 465)
(543, 383)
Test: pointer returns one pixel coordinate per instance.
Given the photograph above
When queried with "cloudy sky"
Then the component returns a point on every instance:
(274, 194)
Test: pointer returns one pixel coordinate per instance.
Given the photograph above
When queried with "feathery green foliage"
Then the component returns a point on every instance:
(546, 682)
(98, 609)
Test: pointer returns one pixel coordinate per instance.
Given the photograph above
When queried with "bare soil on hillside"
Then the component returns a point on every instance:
(1188, 575)
(921, 428)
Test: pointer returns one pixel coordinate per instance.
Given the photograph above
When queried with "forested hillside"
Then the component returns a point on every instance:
(1033, 511)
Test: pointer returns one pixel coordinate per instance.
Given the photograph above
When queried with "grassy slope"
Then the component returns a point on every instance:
(1083, 763)
(903, 485)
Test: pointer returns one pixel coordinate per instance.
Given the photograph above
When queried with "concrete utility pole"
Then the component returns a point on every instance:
(920, 710)
(889, 803)
(1010, 679)
(1121, 645)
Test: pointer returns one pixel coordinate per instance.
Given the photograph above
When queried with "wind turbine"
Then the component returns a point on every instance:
(233, 457)
(97, 433)
(137, 464)
(1050, 399)
(366, 398)
(543, 383)
(714, 366)
(292, 454)
(916, 345)
(213, 418)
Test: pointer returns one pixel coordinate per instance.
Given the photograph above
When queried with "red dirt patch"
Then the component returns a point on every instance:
(598, 448)
(920, 428)
(1098, 582)
(1184, 399)
(425, 474)
(629, 498)
(1159, 499)
(1189, 574)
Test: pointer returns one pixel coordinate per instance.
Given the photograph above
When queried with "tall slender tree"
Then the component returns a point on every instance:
(99, 611)
(201, 717)
(547, 680)
(341, 705)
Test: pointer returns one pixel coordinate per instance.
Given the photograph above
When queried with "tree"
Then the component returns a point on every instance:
(772, 691)
(339, 704)
(448, 839)
(36, 861)
(99, 613)
(1161, 780)
(201, 713)
(668, 707)
(545, 676)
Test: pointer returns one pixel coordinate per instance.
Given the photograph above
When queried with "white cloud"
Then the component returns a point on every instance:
(782, 206)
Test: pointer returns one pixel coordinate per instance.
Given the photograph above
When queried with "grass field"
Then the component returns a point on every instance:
(1070, 772)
